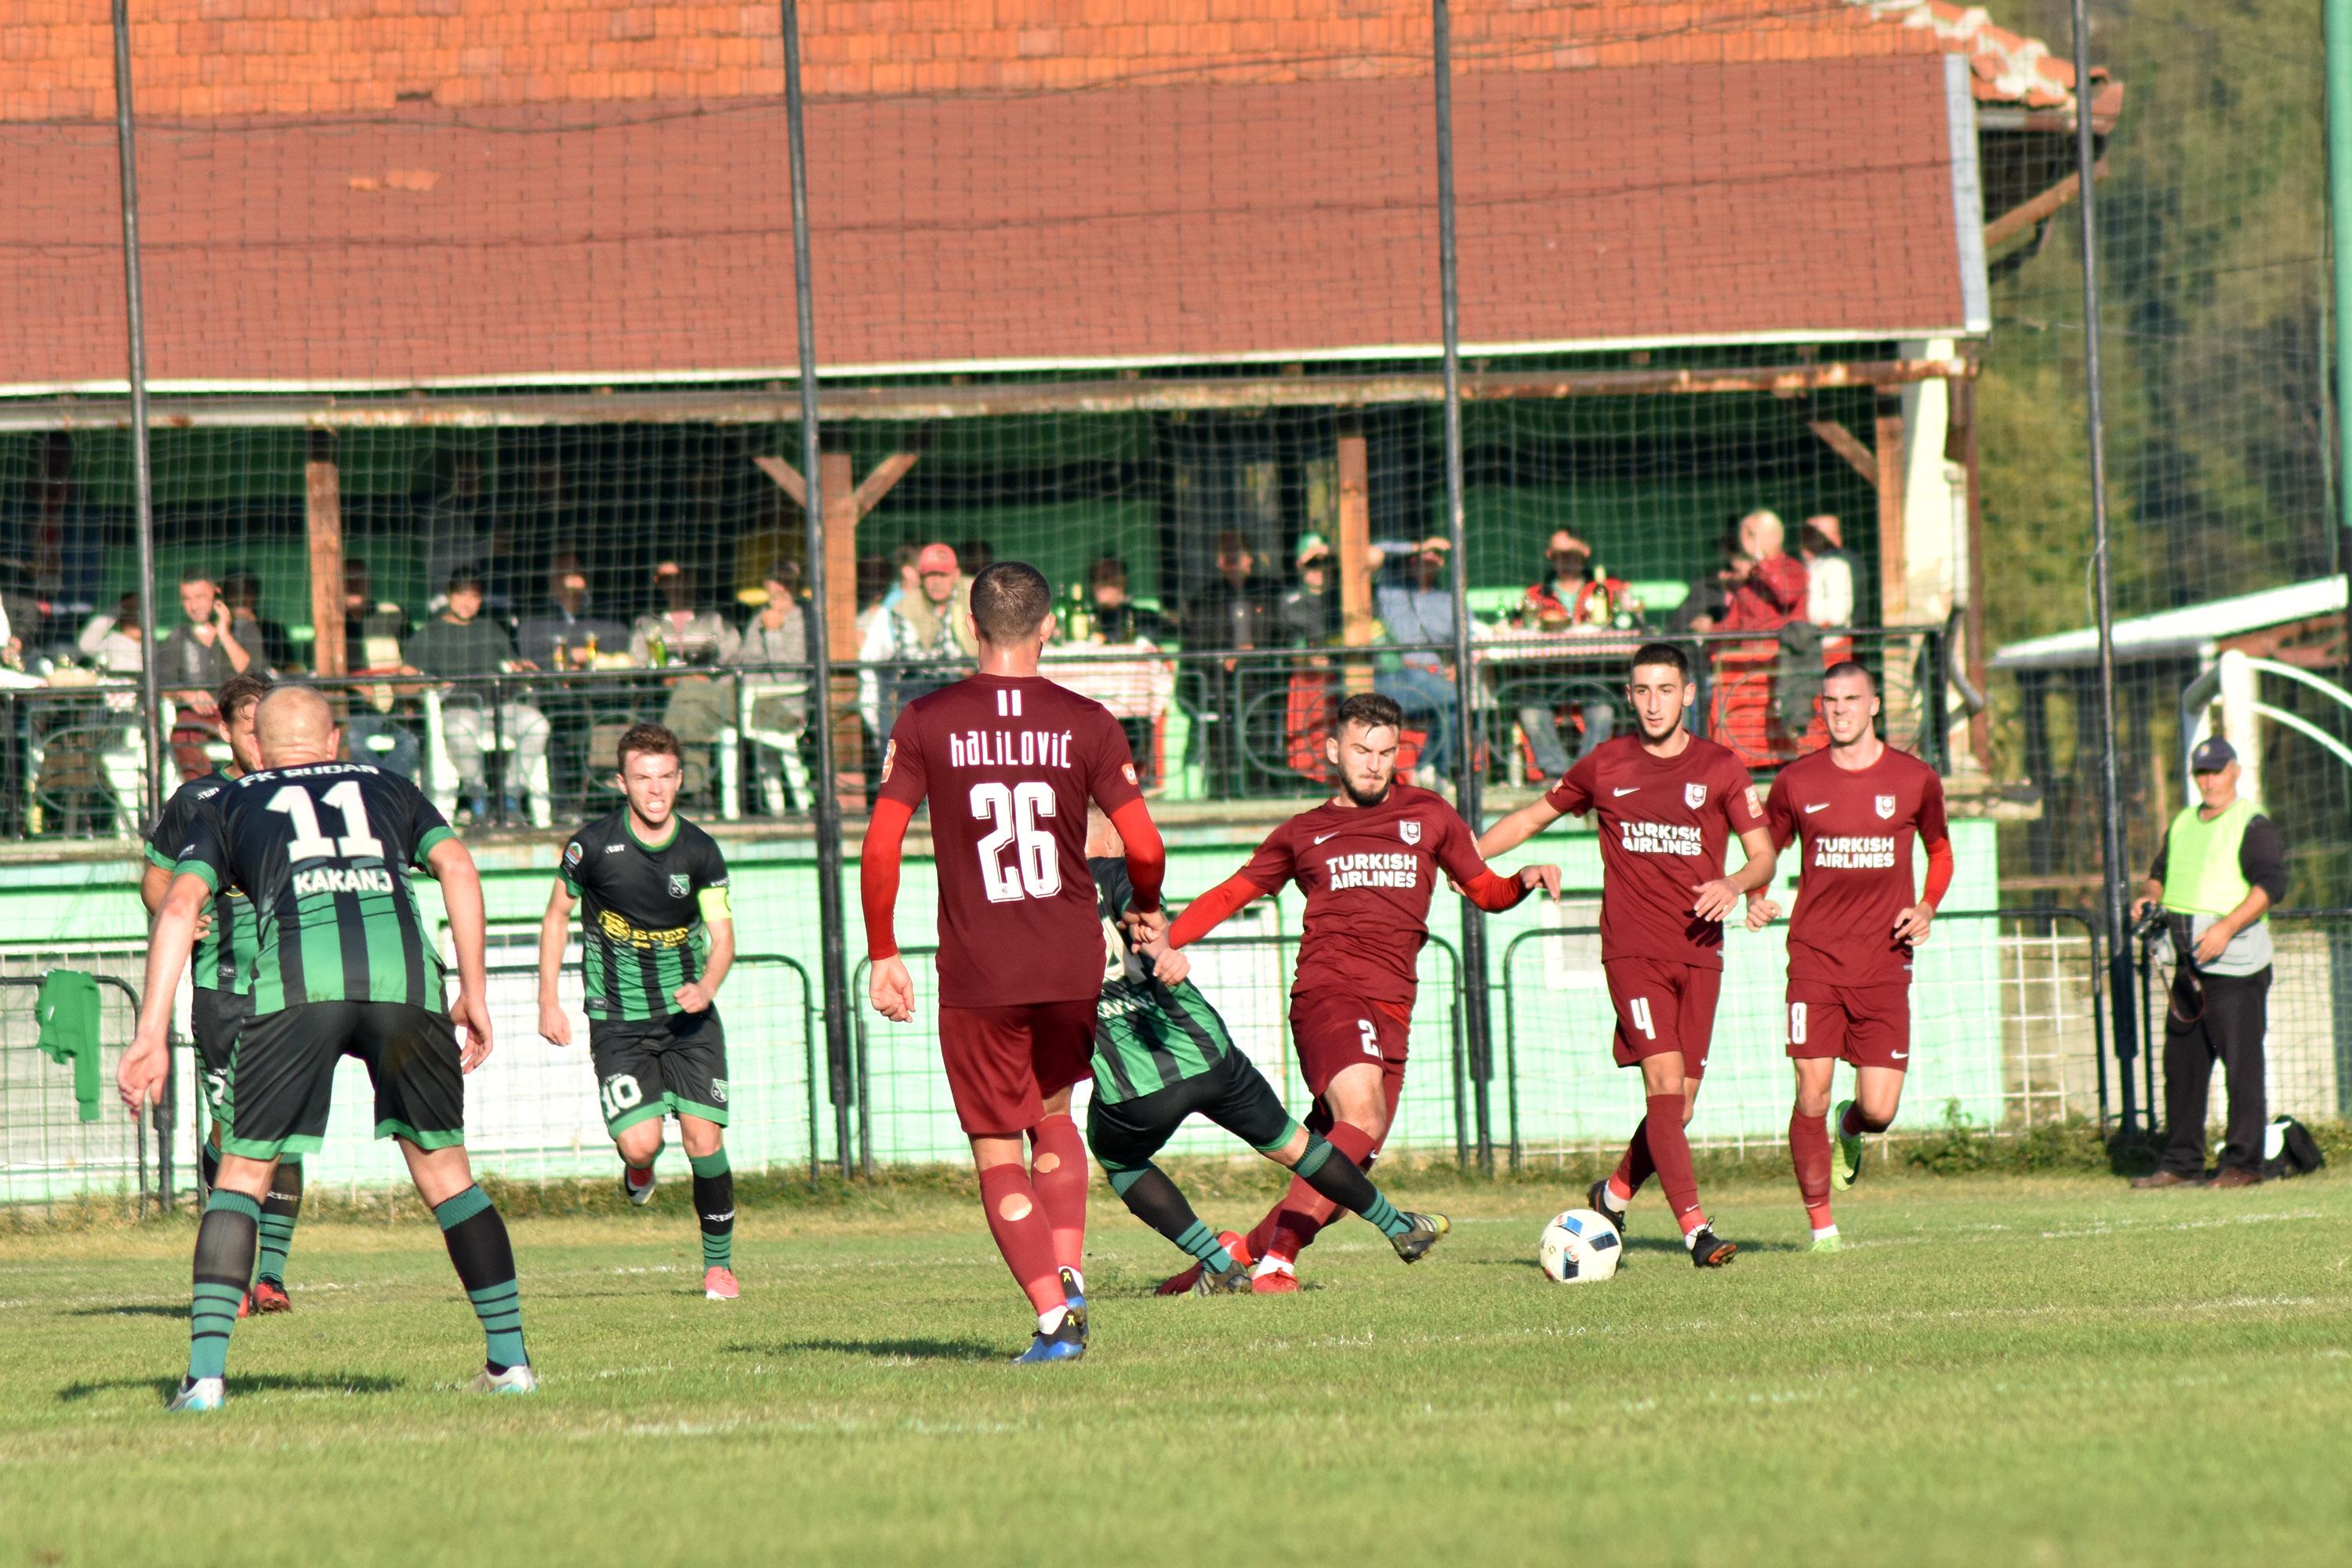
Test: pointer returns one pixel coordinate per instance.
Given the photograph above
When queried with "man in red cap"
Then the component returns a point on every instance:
(926, 627)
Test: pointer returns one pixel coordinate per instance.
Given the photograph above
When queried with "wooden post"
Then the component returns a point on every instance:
(323, 503)
(1897, 689)
(840, 529)
(1353, 545)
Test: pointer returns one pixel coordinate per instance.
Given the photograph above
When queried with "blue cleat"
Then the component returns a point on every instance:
(1067, 1342)
(199, 1396)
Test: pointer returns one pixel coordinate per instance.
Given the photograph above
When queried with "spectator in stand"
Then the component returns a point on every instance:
(1236, 611)
(927, 628)
(1829, 573)
(1117, 617)
(1308, 615)
(1768, 591)
(1419, 609)
(460, 643)
(567, 621)
(682, 634)
(1570, 599)
(241, 589)
(366, 619)
(194, 659)
(774, 644)
(372, 630)
(111, 640)
(874, 587)
(906, 578)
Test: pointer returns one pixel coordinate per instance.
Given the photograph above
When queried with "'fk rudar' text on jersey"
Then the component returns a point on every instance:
(1008, 763)
(1854, 878)
(1147, 1034)
(642, 913)
(223, 955)
(1368, 873)
(1664, 822)
(324, 853)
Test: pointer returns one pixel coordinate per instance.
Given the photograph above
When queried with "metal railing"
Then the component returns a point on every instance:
(48, 1152)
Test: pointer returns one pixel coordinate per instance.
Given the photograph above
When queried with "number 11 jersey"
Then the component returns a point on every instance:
(1008, 763)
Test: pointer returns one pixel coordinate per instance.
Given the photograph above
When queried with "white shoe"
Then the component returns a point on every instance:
(199, 1396)
(638, 1195)
(514, 1380)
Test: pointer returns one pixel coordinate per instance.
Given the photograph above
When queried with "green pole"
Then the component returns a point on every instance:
(2339, 221)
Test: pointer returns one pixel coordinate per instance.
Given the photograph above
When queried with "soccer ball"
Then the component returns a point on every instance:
(1579, 1247)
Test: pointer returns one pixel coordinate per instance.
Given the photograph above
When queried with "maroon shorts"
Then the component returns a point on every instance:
(1002, 1062)
(1867, 1026)
(1663, 1009)
(1332, 1030)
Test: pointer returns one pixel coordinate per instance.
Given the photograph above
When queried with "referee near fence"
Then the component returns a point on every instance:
(2223, 865)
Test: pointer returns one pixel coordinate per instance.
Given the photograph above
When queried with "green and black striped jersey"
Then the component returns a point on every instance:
(1148, 1035)
(224, 956)
(643, 913)
(324, 852)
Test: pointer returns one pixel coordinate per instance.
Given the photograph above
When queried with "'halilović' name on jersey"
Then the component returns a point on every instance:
(1009, 749)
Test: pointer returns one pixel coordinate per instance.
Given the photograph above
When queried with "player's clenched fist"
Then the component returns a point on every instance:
(691, 997)
(139, 1078)
(554, 1024)
(892, 989)
(1761, 911)
(472, 1016)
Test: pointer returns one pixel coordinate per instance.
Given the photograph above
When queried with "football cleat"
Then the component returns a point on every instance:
(266, 1296)
(515, 1379)
(1066, 1343)
(1707, 1251)
(1187, 1282)
(1596, 1198)
(1412, 1245)
(1829, 1243)
(1845, 1150)
(719, 1285)
(631, 1190)
(199, 1396)
(1233, 1282)
(1075, 1298)
(1273, 1282)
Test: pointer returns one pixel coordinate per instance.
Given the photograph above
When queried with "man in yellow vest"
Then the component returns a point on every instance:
(2223, 865)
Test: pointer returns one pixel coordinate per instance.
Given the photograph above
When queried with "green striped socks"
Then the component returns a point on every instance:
(1384, 1214)
(714, 1206)
(484, 1259)
(1202, 1242)
(224, 1245)
(277, 1217)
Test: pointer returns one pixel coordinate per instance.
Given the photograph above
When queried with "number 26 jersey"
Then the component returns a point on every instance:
(1008, 763)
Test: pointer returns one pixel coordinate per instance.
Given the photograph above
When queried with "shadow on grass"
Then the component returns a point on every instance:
(885, 1350)
(148, 1310)
(260, 1382)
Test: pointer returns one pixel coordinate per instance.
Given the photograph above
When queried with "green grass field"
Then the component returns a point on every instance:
(1998, 1370)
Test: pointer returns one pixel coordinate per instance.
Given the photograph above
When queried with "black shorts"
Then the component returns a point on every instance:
(282, 1072)
(216, 1017)
(1233, 1094)
(646, 1067)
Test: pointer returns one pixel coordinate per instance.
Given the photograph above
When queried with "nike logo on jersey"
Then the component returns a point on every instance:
(1635, 790)
(1320, 837)
(1810, 809)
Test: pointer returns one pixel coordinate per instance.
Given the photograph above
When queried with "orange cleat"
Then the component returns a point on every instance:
(1279, 1283)
(719, 1285)
(267, 1296)
(1182, 1284)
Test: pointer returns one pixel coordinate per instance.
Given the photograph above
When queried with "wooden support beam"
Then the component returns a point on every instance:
(840, 532)
(2038, 208)
(323, 507)
(1353, 550)
(876, 484)
(787, 478)
(1893, 595)
(1846, 444)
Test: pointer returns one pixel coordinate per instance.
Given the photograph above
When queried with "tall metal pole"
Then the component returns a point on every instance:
(2119, 963)
(1475, 1024)
(837, 1045)
(141, 475)
(2338, 23)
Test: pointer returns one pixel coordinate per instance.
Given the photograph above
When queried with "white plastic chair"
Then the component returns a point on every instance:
(441, 773)
(784, 743)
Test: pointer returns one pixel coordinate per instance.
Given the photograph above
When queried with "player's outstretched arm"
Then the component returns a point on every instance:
(889, 985)
(139, 1077)
(1715, 901)
(1214, 908)
(554, 932)
(1517, 827)
(1146, 866)
(461, 894)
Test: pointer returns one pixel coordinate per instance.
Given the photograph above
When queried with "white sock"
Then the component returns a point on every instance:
(1821, 1231)
(1690, 1236)
(1077, 1282)
(1047, 1323)
(1273, 1263)
(1611, 1202)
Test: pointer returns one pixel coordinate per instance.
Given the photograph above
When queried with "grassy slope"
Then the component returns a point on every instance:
(2017, 1369)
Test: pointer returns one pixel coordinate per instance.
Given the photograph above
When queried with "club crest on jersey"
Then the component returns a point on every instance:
(678, 884)
(1885, 804)
(1694, 796)
(1408, 831)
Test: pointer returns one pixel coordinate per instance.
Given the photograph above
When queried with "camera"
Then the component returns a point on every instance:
(2149, 925)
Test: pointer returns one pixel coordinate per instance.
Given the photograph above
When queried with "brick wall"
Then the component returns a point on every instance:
(198, 58)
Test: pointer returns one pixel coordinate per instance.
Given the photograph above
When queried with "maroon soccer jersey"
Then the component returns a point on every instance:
(1663, 822)
(1368, 873)
(1008, 764)
(1854, 876)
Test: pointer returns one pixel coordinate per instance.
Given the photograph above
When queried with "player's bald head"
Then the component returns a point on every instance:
(295, 725)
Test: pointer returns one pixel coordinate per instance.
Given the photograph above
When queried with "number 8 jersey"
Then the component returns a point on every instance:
(1008, 763)
(324, 853)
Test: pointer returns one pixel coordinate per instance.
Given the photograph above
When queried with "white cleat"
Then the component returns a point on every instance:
(514, 1380)
(199, 1394)
(639, 1196)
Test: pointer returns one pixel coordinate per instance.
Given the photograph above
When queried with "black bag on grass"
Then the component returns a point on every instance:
(2289, 1150)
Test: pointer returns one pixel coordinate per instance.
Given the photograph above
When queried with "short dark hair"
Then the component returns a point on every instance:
(1852, 666)
(1372, 710)
(465, 577)
(198, 574)
(1009, 599)
(647, 741)
(239, 692)
(1663, 653)
(1109, 569)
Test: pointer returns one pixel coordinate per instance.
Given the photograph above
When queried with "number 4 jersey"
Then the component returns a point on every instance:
(1008, 763)
(324, 853)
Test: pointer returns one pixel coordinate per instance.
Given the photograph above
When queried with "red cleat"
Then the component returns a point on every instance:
(267, 1296)
(719, 1285)
(1182, 1284)
(1279, 1283)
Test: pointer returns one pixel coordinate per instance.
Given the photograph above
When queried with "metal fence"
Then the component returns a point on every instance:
(48, 1152)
